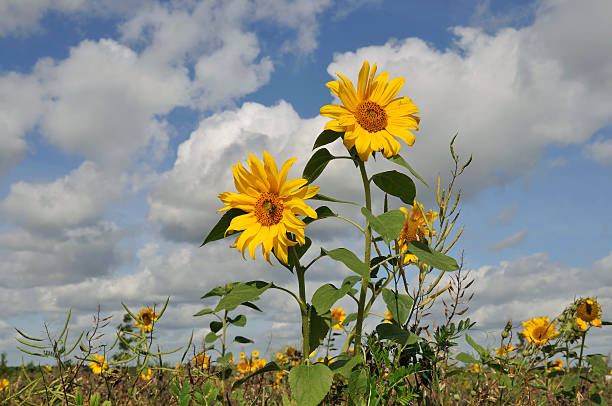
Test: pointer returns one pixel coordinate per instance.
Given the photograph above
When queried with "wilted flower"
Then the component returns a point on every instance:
(415, 228)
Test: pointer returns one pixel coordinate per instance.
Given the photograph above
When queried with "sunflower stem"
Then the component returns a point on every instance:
(300, 271)
(580, 359)
(368, 247)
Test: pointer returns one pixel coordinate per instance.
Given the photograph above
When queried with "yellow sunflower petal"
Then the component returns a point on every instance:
(362, 81)
(334, 86)
(291, 186)
(392, 89)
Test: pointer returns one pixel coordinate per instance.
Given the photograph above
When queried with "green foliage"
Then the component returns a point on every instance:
(388, 225)
(396, 184)
(317, 164)
(218, 231)
(350, 260)
(398, 304)
(310, 383)
(432, 257)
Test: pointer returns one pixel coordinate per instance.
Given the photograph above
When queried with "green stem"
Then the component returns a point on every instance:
(300, 271)
(580, 359)
(368, 247)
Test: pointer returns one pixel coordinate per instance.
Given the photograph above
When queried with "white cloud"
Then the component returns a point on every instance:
(72, 255)
(77, 199)
(509, 242)
(22, 16)
(599, 151)
(20, 108)
(508, 94)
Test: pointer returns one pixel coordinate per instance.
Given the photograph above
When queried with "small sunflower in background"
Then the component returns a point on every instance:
(415, 228)
(98, 365)
(338, 315)
(146, 318)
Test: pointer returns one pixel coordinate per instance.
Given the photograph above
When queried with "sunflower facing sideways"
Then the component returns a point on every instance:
(272, 204)
(372, 117)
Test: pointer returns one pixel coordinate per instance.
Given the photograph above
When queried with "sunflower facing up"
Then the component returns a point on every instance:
(539, 330)
(372, 117)
(415, 228)
(272, 204)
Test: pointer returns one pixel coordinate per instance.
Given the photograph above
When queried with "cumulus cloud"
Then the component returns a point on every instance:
(599, 151)
(509, 242)
(508, 94)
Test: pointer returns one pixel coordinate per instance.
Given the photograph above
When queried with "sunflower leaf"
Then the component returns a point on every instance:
(310, 383)
(241, 293)
(315, 165)
(350, 260)
(432, 257)
(243, 340)
(326, 137)
(218, 231)
(466, 358)
(396, 334)
(325, 297)
(396, 184)
(322, 212)
(399, 305)
(388, 225)
(397, 159)
(319, 196)
(319, 326)
(484, 354)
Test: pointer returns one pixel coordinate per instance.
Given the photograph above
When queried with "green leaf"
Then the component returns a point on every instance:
(322, 212)
(270, 366)
(398, 304)
(388, 225)
(326, 137)
(211, 337)
(397, 159)
(203, 312)
(358, 383)
(315, 165)
(215, 326)
(432, 257)
(467, 358)
(350, 318)
(239, 321)
(350, 260)
(324, 198)
(243, 340)
(218, 291)
(319, 326)
(218, 231)
(599, 365)
(344, 364)
(481, 351)
(396, 184)
(251, 305)
(310, 383)
(396, 334)
(325, 297)
(241, 293)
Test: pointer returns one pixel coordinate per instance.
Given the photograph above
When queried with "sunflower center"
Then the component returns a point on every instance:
(371, 116)
(540, 333)
(269, 209)
(146, 318)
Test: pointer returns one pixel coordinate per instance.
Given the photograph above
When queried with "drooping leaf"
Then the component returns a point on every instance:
(466, 358)
(243, 340)
(326, 137)
(350, 260)
(324, 198)
(322, 212)
(397, 159)
(310, 383)
(203, 312)
(239, 320)
(398, 304)
(432, 257)
(396, 334)
(319, 326)
(315, 165)
(396, 184)
(218, 231)
(388, 225)
(251, 306)
(218, 291)
(241, 293)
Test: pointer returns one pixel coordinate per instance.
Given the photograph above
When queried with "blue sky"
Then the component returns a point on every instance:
(121, 123)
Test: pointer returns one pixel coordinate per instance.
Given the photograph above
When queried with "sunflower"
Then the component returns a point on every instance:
(371, 117)
(98, 365)
(539, 330)
(4, 383)
(201, 361)
(415, 228)
(148, 317)
(255, 354)
(504, 350)
(338, 315)
(557, 365)
(271, 204)
(388, 317)
(147, 376)
(589, 310)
